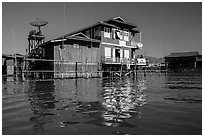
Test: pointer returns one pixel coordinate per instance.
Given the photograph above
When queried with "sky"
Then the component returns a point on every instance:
(165, 27)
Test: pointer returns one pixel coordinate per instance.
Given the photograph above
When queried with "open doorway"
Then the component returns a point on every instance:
(117, 55)
(132, 54)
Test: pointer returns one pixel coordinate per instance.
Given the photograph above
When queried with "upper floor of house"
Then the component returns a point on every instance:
(114, 31)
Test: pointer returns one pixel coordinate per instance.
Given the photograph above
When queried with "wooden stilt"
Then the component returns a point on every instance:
(76, 70)
(121, 69)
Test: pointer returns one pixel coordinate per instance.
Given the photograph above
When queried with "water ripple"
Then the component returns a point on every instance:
(185, 100)
(107, 106)
(121, 101)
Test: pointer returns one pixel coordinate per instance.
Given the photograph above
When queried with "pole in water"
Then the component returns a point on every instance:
(144, 71)
(136, 70)
(121, 69)
(76, 70)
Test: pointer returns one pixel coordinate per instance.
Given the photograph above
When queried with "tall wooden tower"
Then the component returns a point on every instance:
(35, 38)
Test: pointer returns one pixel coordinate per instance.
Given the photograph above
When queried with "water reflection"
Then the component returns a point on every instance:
(122, 100)
(66, 103)
(82, 106)
(185, 87)
(102, 102)
(40, 95)
(79, 100)
(183, 81)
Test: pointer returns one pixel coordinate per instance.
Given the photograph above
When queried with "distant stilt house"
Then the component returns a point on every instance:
(12, 64)
(184, 61)
(104, 46)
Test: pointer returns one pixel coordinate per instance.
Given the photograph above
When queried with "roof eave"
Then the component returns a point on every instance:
(125, 23)
(83, 39)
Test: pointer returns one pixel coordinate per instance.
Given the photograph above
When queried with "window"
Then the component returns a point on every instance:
(121, 34)
(126, 35)
(107, 52)
(126, 54)
(118, 34)
(97, 33)
(106, 32)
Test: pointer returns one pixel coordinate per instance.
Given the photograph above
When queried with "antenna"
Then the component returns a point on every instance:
(13, 38)
(35, 38)
(14, 44)
(64, 20)
(63, 31)
(164, 42)
(39, 23)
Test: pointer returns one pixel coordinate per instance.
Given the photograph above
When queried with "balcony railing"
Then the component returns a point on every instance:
(119, 60)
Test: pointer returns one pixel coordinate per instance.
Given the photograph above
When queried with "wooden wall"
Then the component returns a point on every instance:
(76, 59)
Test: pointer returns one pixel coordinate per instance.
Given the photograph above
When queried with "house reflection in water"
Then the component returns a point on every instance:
(42, 100)
(123, 101)
(81, 101)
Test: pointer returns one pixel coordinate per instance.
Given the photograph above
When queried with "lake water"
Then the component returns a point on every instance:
(146, 105)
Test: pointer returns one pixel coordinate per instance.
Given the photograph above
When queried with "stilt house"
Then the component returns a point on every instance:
(104, 46)
(184, 61)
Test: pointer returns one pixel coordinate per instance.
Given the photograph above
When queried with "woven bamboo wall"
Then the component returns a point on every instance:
(75, 60)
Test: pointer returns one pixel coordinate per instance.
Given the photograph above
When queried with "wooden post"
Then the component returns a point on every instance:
(145, 71)
(62, 66)
(76, 70)
(16, 68)
(195, 65)
(24, 67)
(111, 73)
(121, 69)
(86, 69)
(135, 67)
(136, 70)
(91, 68)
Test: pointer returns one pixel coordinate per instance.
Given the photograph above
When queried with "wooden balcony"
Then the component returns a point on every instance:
(112, 60)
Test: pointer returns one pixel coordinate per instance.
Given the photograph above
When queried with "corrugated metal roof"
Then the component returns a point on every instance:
(84, 28)
(101, 23)
(84, 39)
(120, 20)
(183, 54)
(70, 38)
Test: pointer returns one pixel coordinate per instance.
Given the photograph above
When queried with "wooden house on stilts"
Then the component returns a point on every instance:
(93, 51)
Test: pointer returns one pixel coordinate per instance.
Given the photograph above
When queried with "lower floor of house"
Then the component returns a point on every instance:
(181, 66)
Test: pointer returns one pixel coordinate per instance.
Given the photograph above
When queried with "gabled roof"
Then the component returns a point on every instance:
(84, 28)
(79, 35)
(183, 54)
(105, 23)
(119, 19)
(83, 39)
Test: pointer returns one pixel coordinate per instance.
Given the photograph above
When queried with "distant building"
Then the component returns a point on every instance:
(184, 61)
(11, 63)
(103, 46)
